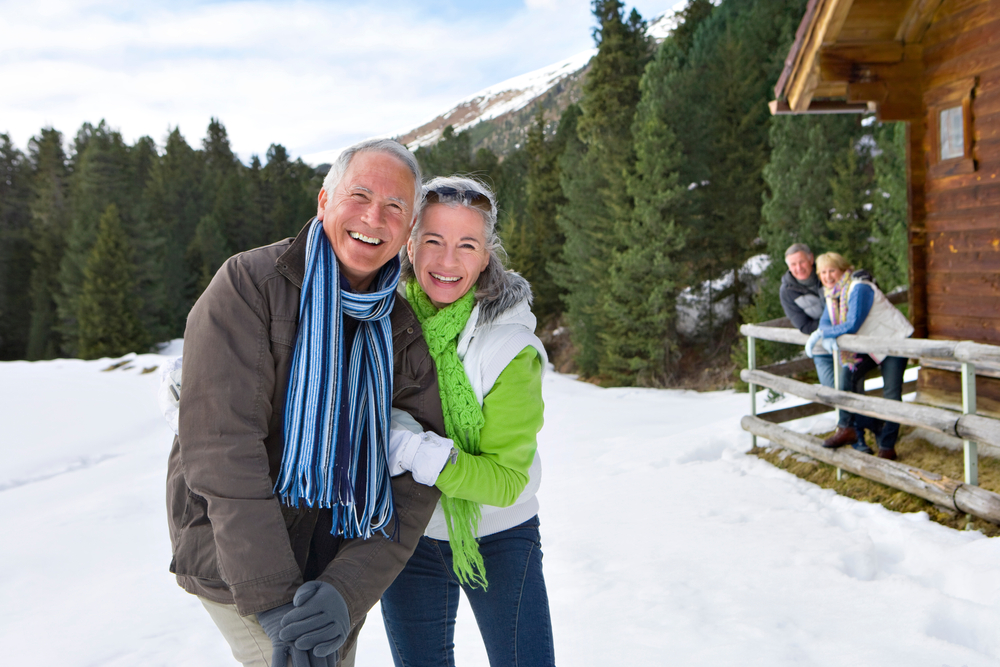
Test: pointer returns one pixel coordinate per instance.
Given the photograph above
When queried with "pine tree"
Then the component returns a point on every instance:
(849, 228)
(16, 264)
(889, 211)
(176, 196)
(50, 223)
(108, 313)
(594, 176)
(208, 250)
(582, 267)
(228, 192)
(451, 154)
(717, 108)
(290, 202)
(544, 197)
(647, 269)
(100, 176)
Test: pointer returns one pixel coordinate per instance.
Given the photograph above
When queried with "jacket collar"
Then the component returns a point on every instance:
(292, 262)
(292, 265)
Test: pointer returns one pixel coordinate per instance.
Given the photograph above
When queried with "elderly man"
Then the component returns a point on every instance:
(801, 292)
(283, 517)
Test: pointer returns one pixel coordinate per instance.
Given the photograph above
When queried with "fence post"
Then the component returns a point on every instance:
(752, 365)
(971, 449)
(836, 385)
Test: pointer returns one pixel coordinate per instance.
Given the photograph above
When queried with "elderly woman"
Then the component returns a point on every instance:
(854, 305)
(483, 536)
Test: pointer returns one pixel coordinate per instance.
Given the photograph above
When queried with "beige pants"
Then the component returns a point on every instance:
(250, 644)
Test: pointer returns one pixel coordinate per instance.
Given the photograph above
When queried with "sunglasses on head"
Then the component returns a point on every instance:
(469, 197)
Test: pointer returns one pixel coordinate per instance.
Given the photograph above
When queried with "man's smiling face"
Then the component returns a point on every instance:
(367, 217)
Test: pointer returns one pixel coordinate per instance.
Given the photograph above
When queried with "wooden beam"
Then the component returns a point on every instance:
(787, 368)
(782, 108)
(936, 419)
(827, 89)
(825, 25)
(810, 409)
(793, 53)
(865, 52)
(911, 348)
(793, 336)
(938, 489)
(870, 91)
(918, 18)
(967, 427)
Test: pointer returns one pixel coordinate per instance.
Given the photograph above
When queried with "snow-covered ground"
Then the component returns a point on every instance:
(664, 543)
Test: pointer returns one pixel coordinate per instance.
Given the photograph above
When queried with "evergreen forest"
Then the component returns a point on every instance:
(637, 213)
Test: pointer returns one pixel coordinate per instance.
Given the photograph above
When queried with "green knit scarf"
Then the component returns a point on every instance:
(463, 420)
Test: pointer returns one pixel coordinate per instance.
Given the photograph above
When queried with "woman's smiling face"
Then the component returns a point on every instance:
(449, 252)
(829, 275)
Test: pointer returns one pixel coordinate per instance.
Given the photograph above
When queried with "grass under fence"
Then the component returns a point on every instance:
(913, 451)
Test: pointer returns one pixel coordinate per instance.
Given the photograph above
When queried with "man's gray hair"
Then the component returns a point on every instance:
(798, 247)
(494, 279)
(385, 146)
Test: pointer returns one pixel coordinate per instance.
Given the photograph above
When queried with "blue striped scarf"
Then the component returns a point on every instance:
(321, 464)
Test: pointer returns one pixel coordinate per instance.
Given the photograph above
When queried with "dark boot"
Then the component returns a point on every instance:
(844, 435)
(889, 453)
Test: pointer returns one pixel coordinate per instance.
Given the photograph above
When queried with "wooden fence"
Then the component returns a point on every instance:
(961, 496)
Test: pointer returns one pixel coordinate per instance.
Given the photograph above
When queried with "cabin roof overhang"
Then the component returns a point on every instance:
(852, 56)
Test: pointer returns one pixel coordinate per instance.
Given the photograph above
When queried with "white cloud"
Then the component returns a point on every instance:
(308, 74)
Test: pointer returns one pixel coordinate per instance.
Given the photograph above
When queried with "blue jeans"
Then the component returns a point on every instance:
(420, 606)
(886, 433)
(824, 369)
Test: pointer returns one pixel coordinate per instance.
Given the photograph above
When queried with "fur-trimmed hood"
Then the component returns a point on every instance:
(518, 290)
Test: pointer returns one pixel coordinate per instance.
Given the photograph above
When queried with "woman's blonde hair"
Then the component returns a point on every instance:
(833, 259)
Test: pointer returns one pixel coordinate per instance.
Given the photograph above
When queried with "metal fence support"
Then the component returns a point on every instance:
(970, 448)
(752, 365)
(836, 385)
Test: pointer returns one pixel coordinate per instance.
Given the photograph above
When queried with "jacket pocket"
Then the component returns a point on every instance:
(194, 554)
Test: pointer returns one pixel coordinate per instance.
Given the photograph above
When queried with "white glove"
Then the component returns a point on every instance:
(828, 344)
(169, 395)
(423, 454)
(814, 338)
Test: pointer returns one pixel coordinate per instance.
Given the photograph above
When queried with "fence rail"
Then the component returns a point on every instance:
(940, 490)
(969, 427)
(963, 351)
(964, 496)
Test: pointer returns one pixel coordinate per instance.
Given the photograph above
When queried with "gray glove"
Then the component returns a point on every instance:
(319, 623)
(270, 620)
(284, 650)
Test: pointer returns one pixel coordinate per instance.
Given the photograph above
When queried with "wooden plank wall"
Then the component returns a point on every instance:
(944, 388)
(955, 239)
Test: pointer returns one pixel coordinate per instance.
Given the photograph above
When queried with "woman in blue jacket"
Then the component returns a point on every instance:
(854, 305)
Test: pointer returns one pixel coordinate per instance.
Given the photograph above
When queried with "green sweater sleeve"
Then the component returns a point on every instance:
(513, 416)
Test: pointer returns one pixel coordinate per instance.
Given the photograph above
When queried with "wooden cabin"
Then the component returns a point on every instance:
(936, 65)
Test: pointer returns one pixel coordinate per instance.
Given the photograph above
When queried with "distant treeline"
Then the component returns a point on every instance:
(670, 173)
(104, 250)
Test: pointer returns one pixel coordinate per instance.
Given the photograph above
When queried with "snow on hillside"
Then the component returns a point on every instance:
(497, 100)
(513, 94)
(664, 542)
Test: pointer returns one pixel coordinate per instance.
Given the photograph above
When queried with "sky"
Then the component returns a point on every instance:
(311, 75)
(664, 542)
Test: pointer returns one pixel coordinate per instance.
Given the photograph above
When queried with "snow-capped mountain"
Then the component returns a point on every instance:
(509, 106)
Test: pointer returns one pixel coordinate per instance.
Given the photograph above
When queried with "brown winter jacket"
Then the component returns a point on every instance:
(233, 541)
